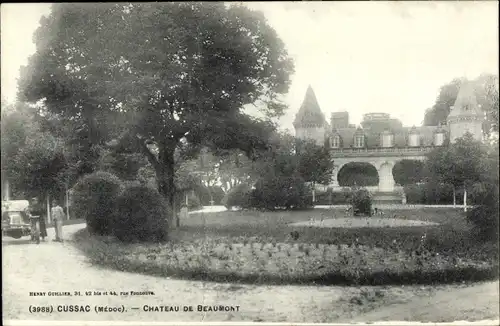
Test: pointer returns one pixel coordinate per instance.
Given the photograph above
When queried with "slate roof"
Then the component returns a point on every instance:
(309, 113)
(372, 139)
(466, 103)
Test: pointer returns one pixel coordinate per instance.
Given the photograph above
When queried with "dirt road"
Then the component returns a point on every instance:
(58, 277)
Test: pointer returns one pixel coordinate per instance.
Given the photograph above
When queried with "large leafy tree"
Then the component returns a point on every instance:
(461, 164)
(486, 91)
(315, 164)
(180, 74)
(33, 160)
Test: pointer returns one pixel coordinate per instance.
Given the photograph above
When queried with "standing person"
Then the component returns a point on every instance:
(58, 216)
(36, 209)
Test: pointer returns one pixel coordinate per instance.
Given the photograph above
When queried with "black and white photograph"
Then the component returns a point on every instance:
(295, 162)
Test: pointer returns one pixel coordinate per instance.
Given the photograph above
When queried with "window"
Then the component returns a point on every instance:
(335, 141)
(359, 141)
(439, 139)
(387, 140)
(414, 140)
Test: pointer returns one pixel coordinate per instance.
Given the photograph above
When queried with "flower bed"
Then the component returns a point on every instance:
(248, 259)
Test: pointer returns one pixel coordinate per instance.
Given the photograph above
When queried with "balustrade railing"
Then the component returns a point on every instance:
(420, 149)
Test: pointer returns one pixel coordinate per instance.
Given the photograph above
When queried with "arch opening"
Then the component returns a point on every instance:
(360, 173)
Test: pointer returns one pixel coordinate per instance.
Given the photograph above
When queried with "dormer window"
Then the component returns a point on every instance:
(359, 141)
(335, 141)
(387, 139)
(439, 138)
(414, 137)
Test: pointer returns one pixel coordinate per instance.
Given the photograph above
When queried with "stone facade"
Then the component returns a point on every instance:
(381, 140)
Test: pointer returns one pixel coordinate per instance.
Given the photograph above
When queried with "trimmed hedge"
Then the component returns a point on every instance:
(142, 215)
(281, 192)
(93, 199)
(432, 194)
(331, 197)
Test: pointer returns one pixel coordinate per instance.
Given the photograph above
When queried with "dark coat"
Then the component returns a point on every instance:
(39, 211)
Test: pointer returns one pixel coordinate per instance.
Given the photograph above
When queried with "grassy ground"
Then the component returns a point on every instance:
(256, 247)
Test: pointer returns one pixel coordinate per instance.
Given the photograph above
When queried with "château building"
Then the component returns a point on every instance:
(382, 141)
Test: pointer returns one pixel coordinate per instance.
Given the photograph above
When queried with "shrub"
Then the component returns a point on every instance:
(281, 192)
(206, 194)
(361, 202)
(331, 197)
(93, 199)
(484, 217)
(142, 215)
(239, 196)
(432, 194)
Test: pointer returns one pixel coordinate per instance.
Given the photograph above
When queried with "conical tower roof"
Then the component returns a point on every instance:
(309, 113)
(466, 103)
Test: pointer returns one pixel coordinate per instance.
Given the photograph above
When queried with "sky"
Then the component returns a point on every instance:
(359, 57)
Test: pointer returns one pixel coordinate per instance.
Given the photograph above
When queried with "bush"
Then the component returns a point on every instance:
(93, 199)
(239, 196)
(361, 202)
(331, 197)
(142, 215)
(281, 192)
(484, 217)
(207, 193)
(432, 194)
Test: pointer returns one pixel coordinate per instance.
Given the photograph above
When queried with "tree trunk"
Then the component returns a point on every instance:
(454, 197)
(465, 199)
(6, 191)
(49, 219)
(314, 192)
(165, 176)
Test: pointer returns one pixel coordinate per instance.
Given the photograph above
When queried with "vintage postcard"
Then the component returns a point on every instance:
(250, 162)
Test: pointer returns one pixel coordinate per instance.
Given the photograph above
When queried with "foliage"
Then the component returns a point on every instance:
(407, 172)
(124, 165)
(331, 197)
(142, 215)
(358, 174)
(485, 195)
(239, 196)
(94, 198)
(361, 202)
(207, 194)
(32, 160)
(432, 193)
(194, 201)
(172, 75)
(314, 163)
(393, 255)
(486, 91)
(280, 192)
(459, 164)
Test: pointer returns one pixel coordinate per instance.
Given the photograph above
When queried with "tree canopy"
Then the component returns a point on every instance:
(166, 74)
(32, 160)
(486, 91)
(461, 164)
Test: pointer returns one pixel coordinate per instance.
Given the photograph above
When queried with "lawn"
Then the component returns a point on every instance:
(257, 247)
